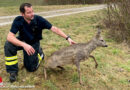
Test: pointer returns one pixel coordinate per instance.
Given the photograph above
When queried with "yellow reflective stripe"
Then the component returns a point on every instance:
(39, 57)
(11, 63)
(11, 58)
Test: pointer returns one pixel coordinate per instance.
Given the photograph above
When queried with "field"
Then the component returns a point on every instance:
(7, 3)
(113, 72)
(11, 7)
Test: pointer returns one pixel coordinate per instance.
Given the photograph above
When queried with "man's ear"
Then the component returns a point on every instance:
(22, 14)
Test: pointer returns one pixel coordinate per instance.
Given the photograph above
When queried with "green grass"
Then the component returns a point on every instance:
(7, 3)
(50, 85)
(114, 61)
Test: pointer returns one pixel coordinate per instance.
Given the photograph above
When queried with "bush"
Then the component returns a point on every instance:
(118, 19)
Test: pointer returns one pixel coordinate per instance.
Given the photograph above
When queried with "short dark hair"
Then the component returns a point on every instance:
(22, 9)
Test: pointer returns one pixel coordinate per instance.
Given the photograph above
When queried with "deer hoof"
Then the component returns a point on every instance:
(96, 65)
(81, 83)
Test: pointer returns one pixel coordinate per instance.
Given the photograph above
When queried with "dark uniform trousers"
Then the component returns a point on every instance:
(31, 63)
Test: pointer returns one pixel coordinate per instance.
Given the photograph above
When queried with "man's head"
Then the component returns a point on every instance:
(27, 11)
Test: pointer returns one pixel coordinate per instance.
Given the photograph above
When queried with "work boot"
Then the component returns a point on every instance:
(13, 77)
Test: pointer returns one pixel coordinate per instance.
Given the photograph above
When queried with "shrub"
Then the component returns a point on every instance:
(118, 19)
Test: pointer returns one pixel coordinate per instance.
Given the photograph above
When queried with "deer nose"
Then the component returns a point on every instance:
(106, 46)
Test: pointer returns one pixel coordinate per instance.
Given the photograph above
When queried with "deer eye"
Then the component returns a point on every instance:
(102, 40)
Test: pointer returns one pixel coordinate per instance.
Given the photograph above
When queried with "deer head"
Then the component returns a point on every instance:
(99, 39)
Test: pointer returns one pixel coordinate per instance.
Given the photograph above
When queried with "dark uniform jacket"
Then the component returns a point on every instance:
(30, 33)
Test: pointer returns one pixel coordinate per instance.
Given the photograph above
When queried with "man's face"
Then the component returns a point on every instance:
(29, 14)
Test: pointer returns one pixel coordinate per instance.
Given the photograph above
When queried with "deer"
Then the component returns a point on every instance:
(74, 54)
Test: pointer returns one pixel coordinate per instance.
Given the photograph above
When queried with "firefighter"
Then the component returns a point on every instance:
(29, 28)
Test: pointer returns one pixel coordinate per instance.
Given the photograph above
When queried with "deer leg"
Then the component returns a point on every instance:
(78, 69)
(45, 74)
(96, 64)
(22, 67)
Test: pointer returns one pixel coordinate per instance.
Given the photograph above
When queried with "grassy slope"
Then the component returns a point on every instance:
(113, 71)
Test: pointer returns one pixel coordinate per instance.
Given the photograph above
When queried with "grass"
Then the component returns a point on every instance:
(14, 10)
(7, 3)
(112, 73)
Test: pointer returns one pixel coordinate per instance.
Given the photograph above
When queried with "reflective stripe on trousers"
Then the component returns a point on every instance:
(11, 60)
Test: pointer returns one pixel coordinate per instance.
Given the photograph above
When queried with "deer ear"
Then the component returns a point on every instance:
(98, 33)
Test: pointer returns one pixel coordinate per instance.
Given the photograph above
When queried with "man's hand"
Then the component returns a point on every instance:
(29, 49)
(71, 41)
(11, 38)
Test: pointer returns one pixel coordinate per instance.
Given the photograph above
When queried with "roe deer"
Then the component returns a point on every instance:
(74, 54)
